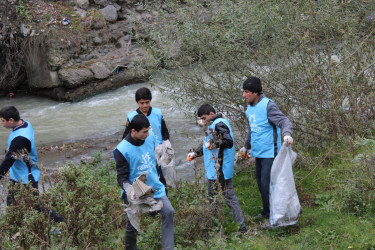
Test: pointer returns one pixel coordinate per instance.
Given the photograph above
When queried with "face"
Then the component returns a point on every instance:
(7, 124)
(250, 97)
(141, 134)
(206, 118)
(144, 105)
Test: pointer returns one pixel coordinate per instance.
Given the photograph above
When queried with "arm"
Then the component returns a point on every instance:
(122, 167)
(248, 138)
(276, 117)
(164, 130)
(199, 150)
(18, 144)
(226, 138)
(127, 130)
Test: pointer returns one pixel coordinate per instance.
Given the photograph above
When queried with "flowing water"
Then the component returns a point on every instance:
(102, 116)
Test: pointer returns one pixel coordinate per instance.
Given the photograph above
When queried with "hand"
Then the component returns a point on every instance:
(208, 145)
(191, 156)
(127, 188)
(244, 153)
(288, 139)
(243, 150)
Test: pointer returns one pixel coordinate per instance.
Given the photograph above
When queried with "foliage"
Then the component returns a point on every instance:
(313, 57)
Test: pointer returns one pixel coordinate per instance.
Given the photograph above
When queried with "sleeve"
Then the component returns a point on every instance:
(199, 150)
(164, 130)
(18, 144)
(122, 167)
(276, 117)
(248, 138)
(226, 138)
(127, 129)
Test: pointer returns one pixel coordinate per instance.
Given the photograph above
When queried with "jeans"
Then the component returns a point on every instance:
(263, 175)
(167, 228)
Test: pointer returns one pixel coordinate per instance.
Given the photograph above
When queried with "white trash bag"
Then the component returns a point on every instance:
(284, 203)
(165, 158)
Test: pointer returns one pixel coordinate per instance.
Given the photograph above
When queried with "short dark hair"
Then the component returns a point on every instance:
(8, 112)
(205, 109)
(139, 122)
(253, 84)
(143, 93)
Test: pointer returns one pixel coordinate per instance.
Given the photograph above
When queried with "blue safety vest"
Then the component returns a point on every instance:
(142, 159)
(155, 120)
(228, 155)
(19, 171)
(265, 138)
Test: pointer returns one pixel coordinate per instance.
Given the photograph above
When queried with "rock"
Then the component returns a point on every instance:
(84, 4)
(100, 70)
(139, 9)
(101, 2)
(81, 12)
(97, 40)
(109, 13)
(24, 31)
(75, 77)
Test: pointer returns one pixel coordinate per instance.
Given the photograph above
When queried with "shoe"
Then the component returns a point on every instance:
(260, 216)
(266, 225)
(242, 229)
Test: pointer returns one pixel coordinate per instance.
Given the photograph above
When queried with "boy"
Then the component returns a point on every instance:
(21, 159)
(134, 155)
(143, 98)
(264, 138)
(224, 151)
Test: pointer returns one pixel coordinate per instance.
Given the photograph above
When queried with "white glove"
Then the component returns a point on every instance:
(191, 156)
(208, 145)
(128, 188)
(243, 150)
(288, 139)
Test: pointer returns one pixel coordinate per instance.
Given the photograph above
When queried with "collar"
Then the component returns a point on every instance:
(19, 126)
(149, 111)
(130, 139)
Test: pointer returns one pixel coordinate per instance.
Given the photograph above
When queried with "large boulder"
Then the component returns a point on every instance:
(74, 77)
(100, 70)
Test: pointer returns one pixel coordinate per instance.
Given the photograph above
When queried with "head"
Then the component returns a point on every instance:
(252, 88)
(139, 127)
(10, 116)
(206, 112)
(143, 98)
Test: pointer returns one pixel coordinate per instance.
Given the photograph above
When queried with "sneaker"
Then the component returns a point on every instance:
(266, 225)
(260, 216)
(242, 229)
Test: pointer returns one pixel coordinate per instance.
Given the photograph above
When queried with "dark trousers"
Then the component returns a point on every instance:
(40, 208)
(263, 175)
(229, 196)
(167, 228)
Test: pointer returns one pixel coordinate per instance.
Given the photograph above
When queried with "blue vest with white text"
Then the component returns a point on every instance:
(142, 159)
(155, 120)
(19, 171)
(265, 138)
(228, 155)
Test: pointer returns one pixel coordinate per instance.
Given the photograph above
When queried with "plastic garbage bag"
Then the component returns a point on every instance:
(284, 203)
(165, 158)
(141, 201)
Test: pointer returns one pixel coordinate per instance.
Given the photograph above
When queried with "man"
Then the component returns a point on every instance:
(143, 98)
(21, 159)
(134, 155)
(265, 120)
(219, 150)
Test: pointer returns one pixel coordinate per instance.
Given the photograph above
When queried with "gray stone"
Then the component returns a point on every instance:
(75, 77)
(100, 70)
(101, 2)
(81, 12)
(84, 4)
(109, 13)
(97, 40)
(82, 57)
(127, 37)
(139, 9)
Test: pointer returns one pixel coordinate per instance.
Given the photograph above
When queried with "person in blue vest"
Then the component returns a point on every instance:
(264, 138)
(143, 98)
(134, 155)
(219, 150)
(21, 159)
